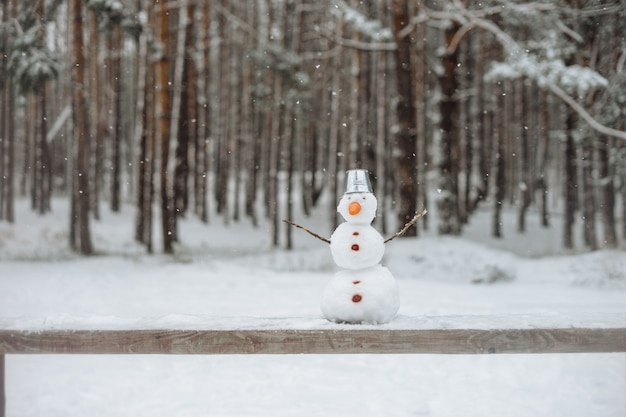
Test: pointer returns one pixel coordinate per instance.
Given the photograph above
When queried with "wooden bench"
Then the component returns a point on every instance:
(425, 335)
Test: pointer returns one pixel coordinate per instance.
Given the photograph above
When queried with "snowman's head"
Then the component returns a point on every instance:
(359, 208)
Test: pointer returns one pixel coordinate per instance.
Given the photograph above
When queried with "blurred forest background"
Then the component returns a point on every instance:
(243, 109)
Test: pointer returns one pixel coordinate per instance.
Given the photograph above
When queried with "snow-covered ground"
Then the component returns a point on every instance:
(231, 272)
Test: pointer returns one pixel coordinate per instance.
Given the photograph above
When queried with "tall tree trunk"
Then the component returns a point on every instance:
(42, 161)
(588, 195)
(379, 71)
(116, 63)
(274, 162)
(7, 136)
(80, 196)
(623, 192)
(608, 192)
(235, 142)
(177, 139)
(187, 122)
(316, 134)
(249, 139)
(466, 145)
(499, 162)
(139, 134)
(263, 102)
(543, 155)
(448, 203)
(289, 133)
(421, 70)
(484, 115)
(367, 105)
(291, 26)
(333, 134)
(95, 86)
(223, 134)
(406, 136)
(163, 82)
(27, 167)
(146, 137)
(4, 150)
(150, 159)
(525, 183)
(354, 137)
(511, 151)
(4, 100)
(203, 26)
(570, 185)
(35, 164)
(587, 57)
(46, 171)
(7, 211)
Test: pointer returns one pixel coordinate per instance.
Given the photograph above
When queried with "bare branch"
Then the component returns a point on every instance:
(620, 62)
(323, 239)
(458, 37)
(240, 22)
(417, 20)
(569, 32)
(408, 225)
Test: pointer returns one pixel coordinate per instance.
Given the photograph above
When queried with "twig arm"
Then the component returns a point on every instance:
(415, 218)
(323, 239)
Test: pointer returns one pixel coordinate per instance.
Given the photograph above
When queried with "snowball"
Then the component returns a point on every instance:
(367, 203)
(368, 296)
(356, 246)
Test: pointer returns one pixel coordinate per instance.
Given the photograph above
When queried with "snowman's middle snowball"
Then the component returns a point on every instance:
(356, 246)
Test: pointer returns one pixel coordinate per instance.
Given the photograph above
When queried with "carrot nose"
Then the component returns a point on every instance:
(354, 208)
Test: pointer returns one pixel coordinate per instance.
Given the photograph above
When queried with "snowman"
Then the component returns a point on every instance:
(364, 291)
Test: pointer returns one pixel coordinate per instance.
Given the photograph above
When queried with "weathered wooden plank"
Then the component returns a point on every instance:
(318, 341)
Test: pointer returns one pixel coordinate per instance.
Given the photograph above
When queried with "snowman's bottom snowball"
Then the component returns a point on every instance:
(367, 295)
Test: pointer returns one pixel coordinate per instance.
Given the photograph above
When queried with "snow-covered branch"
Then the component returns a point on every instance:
(552, 74)
(363, 46)
(593, 123)
(515, 50)
(371, 28)
(379, 37)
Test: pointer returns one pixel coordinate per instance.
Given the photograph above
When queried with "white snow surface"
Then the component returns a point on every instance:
(229, 276)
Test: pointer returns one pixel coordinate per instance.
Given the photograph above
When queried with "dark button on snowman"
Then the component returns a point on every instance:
(364, 291)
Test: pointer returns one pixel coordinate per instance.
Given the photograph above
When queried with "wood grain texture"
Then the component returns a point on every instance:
(325, 341)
